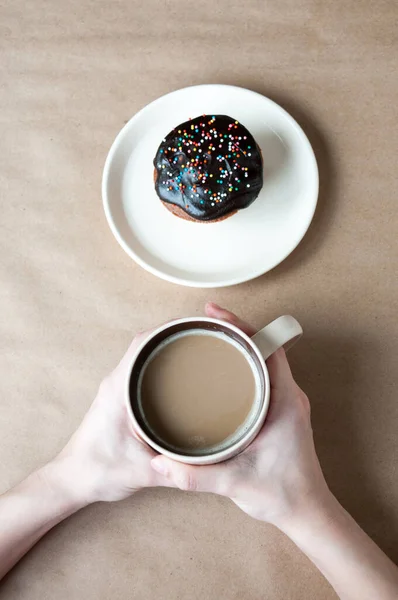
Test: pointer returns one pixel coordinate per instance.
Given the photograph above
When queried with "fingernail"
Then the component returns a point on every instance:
(158, 464)
(213, 305)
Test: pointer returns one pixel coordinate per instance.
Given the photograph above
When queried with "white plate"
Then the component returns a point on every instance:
(242, 247)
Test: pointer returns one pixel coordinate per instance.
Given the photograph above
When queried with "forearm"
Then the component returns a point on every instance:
(32, 508)
(352, 563)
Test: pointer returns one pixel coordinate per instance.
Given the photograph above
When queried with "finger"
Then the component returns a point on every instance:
(216, 312)
(159, 479)
(212, 478)
(125, 362)
(137, 341)
(156, 479)
(279, 370)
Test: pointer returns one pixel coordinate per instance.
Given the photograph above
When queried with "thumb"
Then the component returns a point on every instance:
(212, 478)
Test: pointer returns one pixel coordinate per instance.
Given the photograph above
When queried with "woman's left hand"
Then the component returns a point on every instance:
(104, 460)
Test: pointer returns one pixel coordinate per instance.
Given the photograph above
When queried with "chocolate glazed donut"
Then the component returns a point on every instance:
(208, 168)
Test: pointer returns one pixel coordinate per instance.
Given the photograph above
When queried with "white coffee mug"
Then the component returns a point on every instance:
(283, 332)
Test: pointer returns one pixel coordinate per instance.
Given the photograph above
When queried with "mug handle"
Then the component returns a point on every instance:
(283, 332)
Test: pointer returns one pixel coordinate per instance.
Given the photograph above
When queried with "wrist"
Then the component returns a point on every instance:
(315, 514)
(313, 510)
(62, 479)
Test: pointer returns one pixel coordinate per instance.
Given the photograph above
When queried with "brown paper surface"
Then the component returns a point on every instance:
(72, 73)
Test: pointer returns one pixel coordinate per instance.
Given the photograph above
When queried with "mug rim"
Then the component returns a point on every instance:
(236, 447)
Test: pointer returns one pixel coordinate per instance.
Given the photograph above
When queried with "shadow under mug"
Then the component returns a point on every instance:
(283, 332)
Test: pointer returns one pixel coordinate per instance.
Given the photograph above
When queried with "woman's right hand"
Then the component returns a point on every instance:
(278, 479)
(278, 476)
